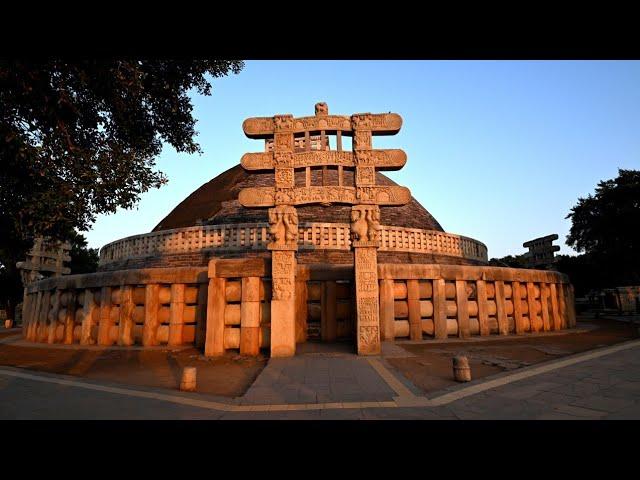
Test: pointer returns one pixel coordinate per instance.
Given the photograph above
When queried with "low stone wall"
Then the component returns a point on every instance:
(228, 306)
(438, 301)
(147, 307)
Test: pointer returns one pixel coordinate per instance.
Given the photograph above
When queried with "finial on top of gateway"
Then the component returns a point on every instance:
(321, 109)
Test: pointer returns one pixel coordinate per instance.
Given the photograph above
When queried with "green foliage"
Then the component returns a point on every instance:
(79, 138)
(605, 227)
(517, 261)
(607, 223)
(83, 259)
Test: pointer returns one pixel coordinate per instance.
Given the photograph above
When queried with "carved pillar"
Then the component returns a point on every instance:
(364, 230)
(284, 243)
(283, 229)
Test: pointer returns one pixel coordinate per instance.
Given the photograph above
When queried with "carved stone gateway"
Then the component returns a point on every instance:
(279, 133)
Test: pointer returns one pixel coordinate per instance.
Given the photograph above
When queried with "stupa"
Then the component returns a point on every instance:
(300, 242)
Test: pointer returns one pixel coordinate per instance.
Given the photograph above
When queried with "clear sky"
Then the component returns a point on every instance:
(497, 150)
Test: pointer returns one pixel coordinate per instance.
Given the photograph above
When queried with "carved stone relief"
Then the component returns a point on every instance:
(283, 227)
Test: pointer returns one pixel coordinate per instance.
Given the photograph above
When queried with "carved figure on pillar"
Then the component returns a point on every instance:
(365, 224)
(373, 223)
(283, 227)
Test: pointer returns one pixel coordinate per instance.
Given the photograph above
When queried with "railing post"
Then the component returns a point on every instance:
(104, 325)
(483, 314)
(413, 303)
(125, 330)
(151, 306)
(53, 325)
(462, 305)
(517, 309)
(250, 316)
(89, 305)
(176, 313)
(503, 323)
(214, 341)
(387, 316)
(70, 317)
(439, 309)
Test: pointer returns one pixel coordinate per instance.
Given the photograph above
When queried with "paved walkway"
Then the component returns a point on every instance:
(603, 383)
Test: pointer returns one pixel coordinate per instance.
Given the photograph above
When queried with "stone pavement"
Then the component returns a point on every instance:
(318, 379)
(601, 384)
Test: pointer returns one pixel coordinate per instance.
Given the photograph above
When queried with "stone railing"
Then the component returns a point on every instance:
(431, 241)
(437, 301)
(254, 236)
(227, 306)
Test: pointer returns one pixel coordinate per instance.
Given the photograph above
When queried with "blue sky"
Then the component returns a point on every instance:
(497, 150)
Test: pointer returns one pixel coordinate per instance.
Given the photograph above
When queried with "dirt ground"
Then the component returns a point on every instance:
(431, 369)
(228, 376)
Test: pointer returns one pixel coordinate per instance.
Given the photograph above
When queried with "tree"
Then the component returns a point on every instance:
(80, 138)
(83, 258)
(605, 227)
(517, 261)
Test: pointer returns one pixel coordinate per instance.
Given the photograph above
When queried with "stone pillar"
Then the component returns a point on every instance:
(176, 313)
(501, 310)
(53, 324)
(69, 319)
(283, 229)
(250, 316)
(42, 332)
(367, 300)
(555, 314)
(125, 327)
(151, 306)
(86, 336)
(531, 307)
(413, 303)
(387, 315)
(201, 316)
(365, 229)
(483, 315)
(301, 310)
(440, 330)
(283, 311)
(544, 303)
(105, 323)
(214, 340)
